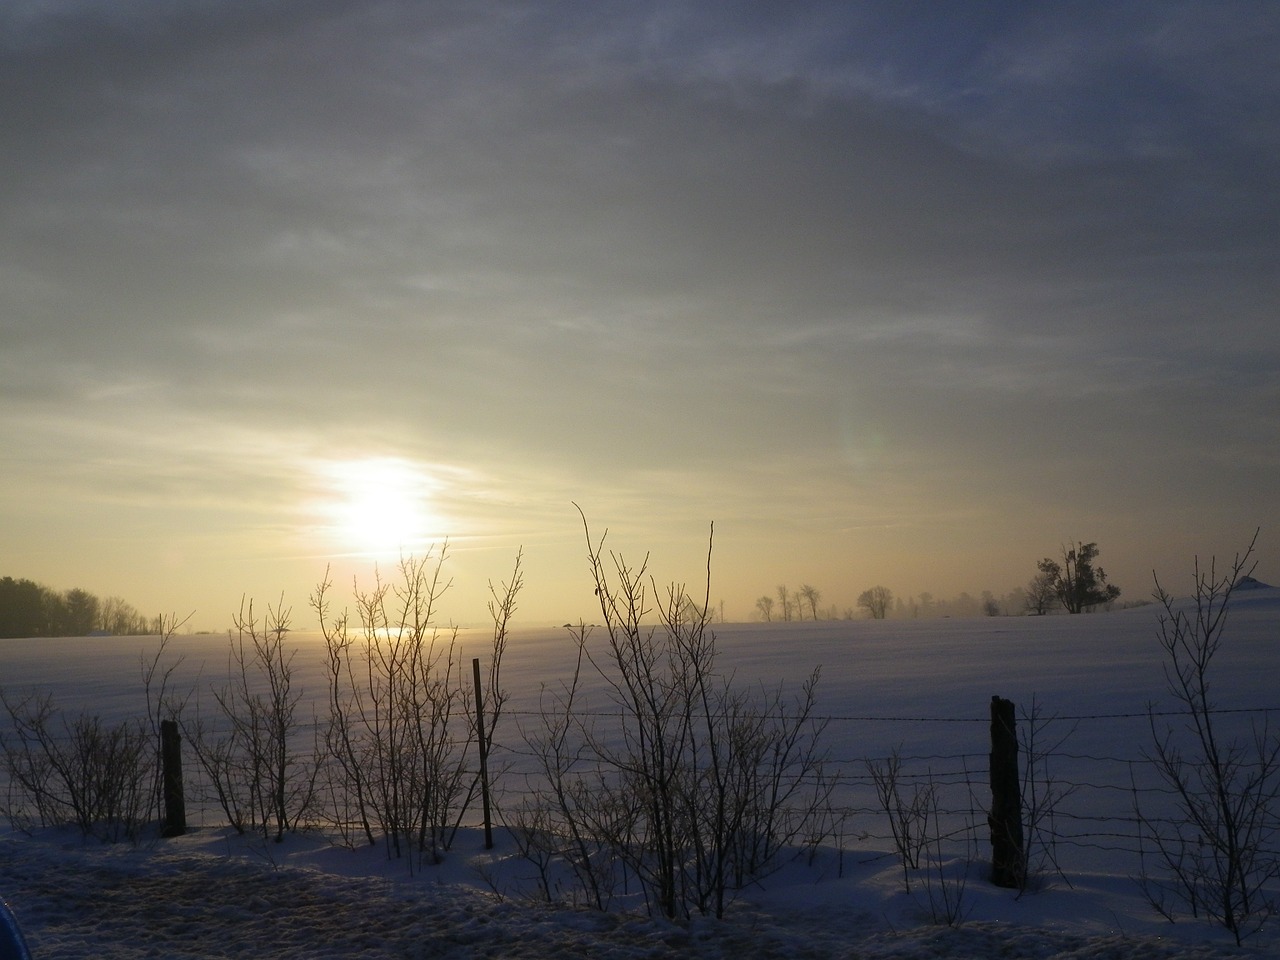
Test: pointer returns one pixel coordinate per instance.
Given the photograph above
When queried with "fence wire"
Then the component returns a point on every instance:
(1098, 808)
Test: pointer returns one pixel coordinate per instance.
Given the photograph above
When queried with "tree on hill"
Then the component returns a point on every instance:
(22, 608)
(765, 606)
(1042, 592)
(30, 609)
(74, 613)
(876, 601)
(810, 595)
(784, 601)
(1078, 584)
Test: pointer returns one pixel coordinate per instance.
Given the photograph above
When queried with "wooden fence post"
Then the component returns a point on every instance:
(1005, 818)
(175, 809)
(484, 757)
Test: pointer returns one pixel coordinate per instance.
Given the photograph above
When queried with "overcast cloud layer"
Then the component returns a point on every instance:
(894, 293)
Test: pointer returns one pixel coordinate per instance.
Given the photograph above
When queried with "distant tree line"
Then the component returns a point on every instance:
(801, 604)
(1071, 584)
(30, 609)
(881, 603)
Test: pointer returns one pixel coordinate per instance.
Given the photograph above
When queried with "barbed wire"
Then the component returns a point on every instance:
(1092, 810)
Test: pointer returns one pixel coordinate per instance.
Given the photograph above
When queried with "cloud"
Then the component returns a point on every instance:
(924, 257)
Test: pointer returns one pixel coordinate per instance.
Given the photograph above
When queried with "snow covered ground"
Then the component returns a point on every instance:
(209, 894)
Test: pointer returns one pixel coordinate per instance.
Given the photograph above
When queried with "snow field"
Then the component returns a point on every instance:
(920, 686)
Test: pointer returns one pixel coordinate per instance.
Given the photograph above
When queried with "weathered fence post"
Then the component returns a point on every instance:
(1005, 817)
(484, 757)
(175, 809)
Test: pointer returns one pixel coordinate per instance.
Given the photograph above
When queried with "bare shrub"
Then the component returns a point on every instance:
(104, 778)
(946, 874)
(551, 825)
(162, 702)
(261, 777)
(400, 721)
(80, 770)
(699, 787)
(1220, 856)
(490, 698)
(1042, 793)
(906, 810)
(343, 778)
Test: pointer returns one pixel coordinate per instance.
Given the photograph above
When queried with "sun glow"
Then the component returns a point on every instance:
(381, 506)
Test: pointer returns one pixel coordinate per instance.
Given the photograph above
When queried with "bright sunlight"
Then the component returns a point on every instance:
(381, 506)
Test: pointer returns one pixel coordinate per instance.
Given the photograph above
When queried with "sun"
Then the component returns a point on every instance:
(381, 506)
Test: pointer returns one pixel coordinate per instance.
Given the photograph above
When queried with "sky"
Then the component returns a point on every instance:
(906, 293)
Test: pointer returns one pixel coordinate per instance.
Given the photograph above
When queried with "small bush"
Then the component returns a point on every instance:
(79, 770)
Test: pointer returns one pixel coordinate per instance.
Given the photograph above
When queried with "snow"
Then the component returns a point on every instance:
(212, 894)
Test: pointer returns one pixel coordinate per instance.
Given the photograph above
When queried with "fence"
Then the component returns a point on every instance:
(1087, 799)
(1089, 774)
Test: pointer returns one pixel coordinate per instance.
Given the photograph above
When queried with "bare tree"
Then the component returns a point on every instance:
(119, 618)
(1041, 592)
(784, 601)
(765, 607)
(876, 601)
(810, 595)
